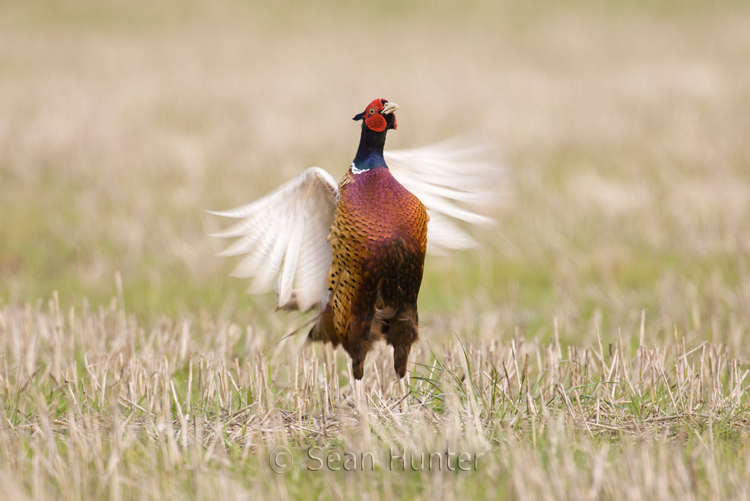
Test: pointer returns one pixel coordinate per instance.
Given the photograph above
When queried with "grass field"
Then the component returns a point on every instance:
(595, 348)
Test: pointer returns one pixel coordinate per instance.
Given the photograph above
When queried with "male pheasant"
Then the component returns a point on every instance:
(356, 250)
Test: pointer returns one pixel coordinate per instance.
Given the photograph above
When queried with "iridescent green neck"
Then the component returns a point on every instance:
(370, 152)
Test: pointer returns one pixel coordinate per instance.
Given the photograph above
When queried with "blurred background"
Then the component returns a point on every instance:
(624, 126)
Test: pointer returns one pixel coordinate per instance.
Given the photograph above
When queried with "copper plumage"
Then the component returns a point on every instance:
(378, 240)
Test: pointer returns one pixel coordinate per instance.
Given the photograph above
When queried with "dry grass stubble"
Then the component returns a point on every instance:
(97, 405)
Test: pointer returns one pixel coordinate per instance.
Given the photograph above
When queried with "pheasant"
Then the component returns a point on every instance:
(355, 251)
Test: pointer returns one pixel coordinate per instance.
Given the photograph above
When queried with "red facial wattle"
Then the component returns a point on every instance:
(376, 122)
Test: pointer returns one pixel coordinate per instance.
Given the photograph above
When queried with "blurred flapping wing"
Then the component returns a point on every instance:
(451, 178)
(284, 235)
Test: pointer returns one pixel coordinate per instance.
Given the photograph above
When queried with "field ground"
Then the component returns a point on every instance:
(594, 348)
(98, 406)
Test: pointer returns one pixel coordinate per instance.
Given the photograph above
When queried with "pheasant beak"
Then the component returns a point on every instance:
(389, 108)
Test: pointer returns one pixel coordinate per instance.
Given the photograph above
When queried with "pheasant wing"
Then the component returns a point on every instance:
(284, 236)
(451, 178)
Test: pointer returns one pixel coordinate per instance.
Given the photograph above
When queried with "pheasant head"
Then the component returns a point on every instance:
(379, 116)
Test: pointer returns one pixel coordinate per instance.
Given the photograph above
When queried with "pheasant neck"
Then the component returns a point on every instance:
(370, 152)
